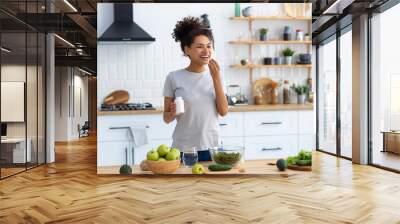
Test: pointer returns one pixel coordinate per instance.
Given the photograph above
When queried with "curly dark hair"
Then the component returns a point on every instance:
(188, 28)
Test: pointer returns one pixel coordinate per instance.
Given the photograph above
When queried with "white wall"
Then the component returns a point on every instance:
(69, 82)
(106, 19)
(141, 69)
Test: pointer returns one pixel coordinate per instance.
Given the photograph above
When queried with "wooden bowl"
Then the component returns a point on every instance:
(163, 167)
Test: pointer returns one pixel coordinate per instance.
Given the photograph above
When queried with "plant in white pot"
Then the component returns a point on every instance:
(263, 34)
(288, 56)
(301, 91)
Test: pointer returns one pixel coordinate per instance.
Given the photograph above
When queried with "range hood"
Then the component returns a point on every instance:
(124, 28)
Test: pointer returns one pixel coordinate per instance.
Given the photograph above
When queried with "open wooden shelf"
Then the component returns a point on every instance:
(271, 18)
(271, 66)
(270, 42)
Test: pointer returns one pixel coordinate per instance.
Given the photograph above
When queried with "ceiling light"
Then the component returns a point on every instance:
(70, 5)
(84, 71)
(65, 41)
(5, 50)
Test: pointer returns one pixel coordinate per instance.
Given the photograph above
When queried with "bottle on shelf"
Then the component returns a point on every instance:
(237, 9)
(310, 94)
(286, 92)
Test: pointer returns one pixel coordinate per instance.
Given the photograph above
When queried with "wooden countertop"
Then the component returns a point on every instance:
(248, 167)
(239, 108)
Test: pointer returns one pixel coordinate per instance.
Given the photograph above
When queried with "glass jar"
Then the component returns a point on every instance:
(274, 96)
(299, 35)
(286, 92)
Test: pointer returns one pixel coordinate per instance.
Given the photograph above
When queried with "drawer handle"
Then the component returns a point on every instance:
(223, 124)
(265, 123)
(146, 126)
(271, 149)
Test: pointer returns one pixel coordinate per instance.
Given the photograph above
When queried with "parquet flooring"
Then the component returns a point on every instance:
(69, 191)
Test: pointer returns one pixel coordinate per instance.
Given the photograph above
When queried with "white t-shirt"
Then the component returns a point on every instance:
(198, 126)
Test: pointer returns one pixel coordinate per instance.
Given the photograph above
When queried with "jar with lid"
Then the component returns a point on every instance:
(307, 37)
(286, 92)
(299, 35)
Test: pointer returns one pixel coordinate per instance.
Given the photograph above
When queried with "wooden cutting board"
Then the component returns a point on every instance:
(263, 85)
(249, 167)
(117, 97)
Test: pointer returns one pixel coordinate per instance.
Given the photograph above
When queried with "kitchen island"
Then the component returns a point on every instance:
(265, 131)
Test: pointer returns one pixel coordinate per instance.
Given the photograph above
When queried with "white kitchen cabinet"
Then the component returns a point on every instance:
(270, 123)
(306, 122)
(233, 141)
(306, 142)
(263, 134)
(231, 125)
(270, 147)
(113, 152)
(155, 125)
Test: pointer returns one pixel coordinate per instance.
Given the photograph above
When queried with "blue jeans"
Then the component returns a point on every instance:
(202, 155)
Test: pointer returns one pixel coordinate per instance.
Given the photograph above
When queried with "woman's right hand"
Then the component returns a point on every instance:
(169, 109)
(172, 109)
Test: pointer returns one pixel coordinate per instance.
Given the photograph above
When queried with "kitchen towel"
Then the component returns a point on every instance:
(139, 135)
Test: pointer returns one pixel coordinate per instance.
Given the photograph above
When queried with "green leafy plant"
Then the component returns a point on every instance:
(263, 31)
(304, 157)
(301, 89)
(287, 52)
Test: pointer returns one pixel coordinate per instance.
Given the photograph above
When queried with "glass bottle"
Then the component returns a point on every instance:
(286, 92)
(237, 9)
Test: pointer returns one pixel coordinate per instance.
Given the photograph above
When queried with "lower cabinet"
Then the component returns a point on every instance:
(234, 141)
(118, 152)
(306, 142)
(270, 147)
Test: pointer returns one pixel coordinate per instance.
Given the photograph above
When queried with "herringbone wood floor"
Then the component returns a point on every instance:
(69, 191)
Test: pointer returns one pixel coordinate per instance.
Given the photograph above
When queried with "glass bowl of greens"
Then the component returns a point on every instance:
(230, 155)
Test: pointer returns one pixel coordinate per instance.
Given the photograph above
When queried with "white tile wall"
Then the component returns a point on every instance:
(141, 69)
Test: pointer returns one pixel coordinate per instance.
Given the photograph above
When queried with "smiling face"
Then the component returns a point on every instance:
(200, 50)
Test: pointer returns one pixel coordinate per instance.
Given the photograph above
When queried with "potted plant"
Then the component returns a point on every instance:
(287, 53)
(301, 91)
(263, 34)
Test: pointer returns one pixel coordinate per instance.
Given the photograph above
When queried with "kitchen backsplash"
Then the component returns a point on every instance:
(141, 69)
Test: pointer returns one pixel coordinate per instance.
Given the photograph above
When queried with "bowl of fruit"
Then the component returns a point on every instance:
(164, 160)
(227, 155)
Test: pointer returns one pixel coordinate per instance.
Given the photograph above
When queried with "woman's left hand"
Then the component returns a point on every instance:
(214, 69)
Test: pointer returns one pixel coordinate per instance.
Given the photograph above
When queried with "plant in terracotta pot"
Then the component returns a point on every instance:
(263, 34)
(288, 55)
(301, 91)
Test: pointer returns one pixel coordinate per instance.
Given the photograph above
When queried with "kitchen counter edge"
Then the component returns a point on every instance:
(239, 108)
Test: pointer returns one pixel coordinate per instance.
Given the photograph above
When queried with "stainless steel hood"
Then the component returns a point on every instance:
(124, 28)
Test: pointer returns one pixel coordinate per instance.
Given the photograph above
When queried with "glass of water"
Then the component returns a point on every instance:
(190, 157)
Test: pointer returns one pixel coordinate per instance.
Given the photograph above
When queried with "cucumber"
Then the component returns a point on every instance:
(303, 162)
(219, 167)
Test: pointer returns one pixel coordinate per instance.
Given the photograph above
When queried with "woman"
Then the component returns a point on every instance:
(200, 86)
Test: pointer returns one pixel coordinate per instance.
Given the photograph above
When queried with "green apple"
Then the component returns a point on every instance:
(176, 151)
(172, 156)
(152, 155)
(163, 150)
(161, 159)
(198, 169)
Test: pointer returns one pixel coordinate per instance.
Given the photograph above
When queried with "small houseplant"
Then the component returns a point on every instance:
(288, 55)
(302, 91)
(263, 34)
